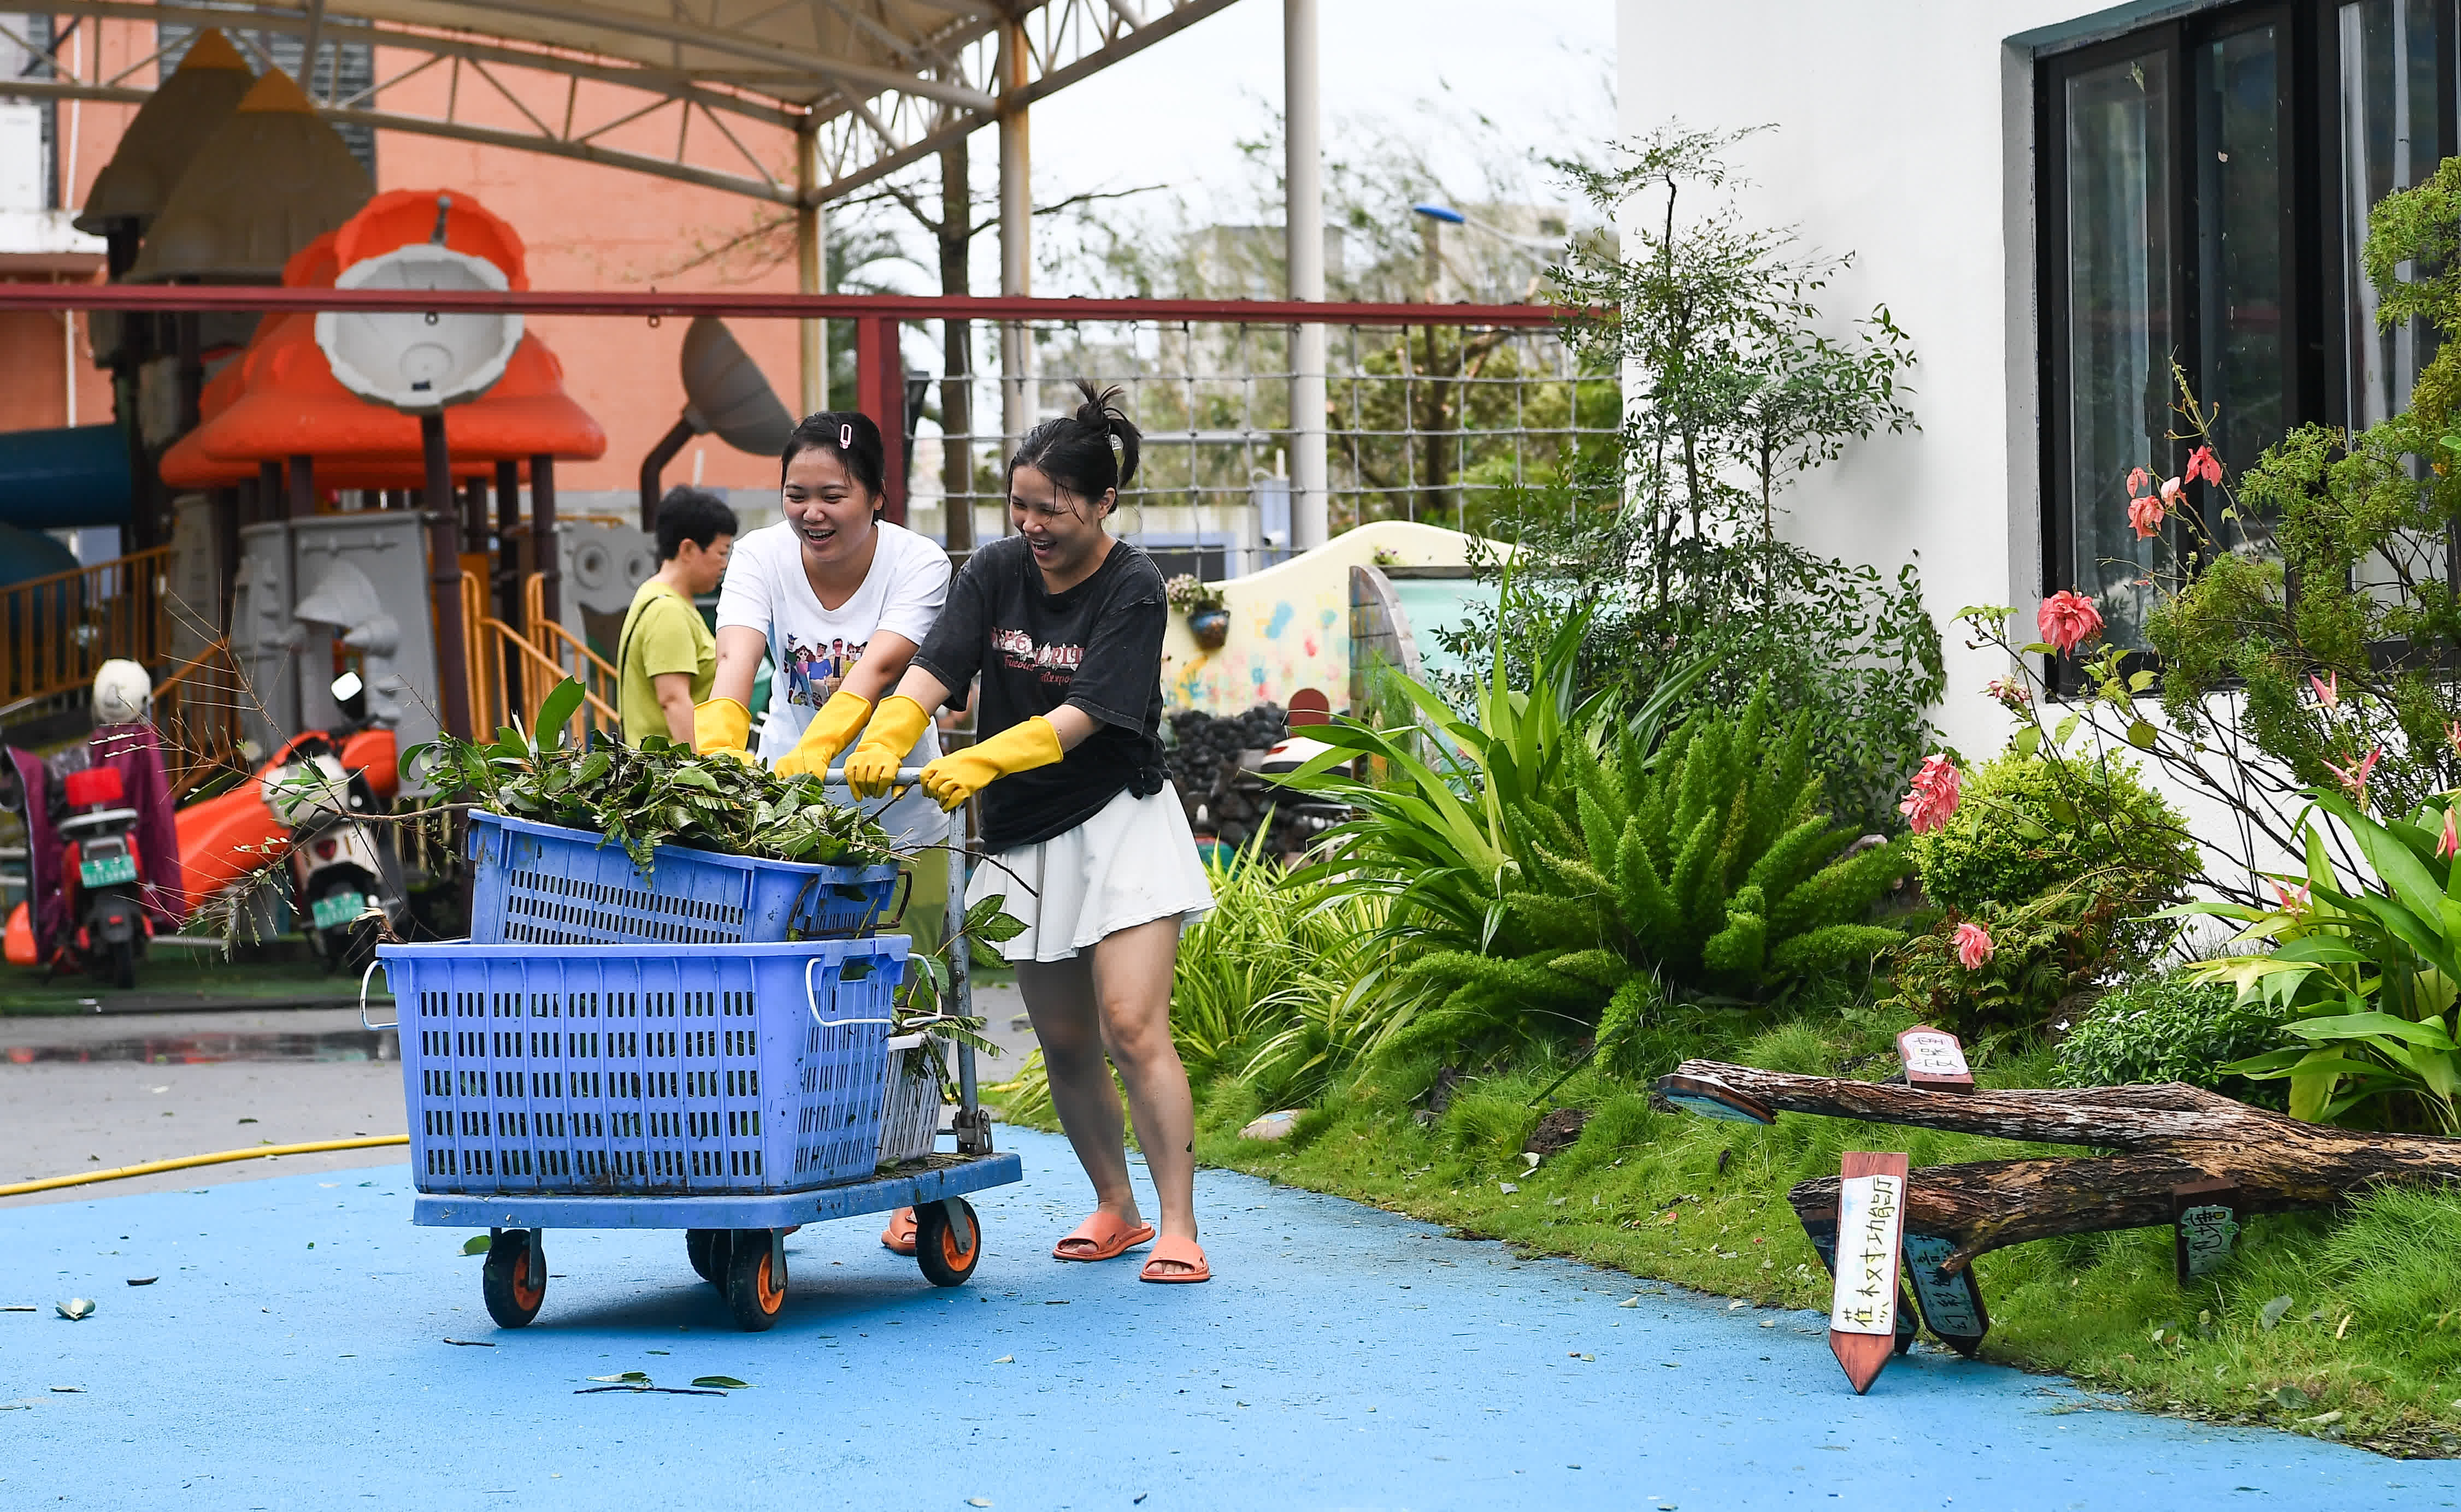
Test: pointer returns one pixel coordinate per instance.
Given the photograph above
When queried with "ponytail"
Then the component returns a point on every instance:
(1089, 453)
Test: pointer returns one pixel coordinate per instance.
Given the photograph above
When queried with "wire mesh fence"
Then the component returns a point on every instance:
(1439, 423)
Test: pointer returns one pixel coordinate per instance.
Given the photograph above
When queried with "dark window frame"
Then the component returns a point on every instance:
(2316, 373)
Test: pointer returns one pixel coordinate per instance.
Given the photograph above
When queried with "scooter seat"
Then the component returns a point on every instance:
(98, 820)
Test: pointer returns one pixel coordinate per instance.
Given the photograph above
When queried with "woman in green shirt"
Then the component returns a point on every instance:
(667, 656)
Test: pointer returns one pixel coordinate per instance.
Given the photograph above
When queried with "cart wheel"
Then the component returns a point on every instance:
(755, 1292)
(707, 1249)
(946, 1249)
(513, 1290)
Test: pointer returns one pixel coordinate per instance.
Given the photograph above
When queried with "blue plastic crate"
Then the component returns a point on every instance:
(644, 1069)
(547, 885)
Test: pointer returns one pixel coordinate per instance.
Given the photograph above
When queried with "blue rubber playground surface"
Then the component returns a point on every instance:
(296, 1353)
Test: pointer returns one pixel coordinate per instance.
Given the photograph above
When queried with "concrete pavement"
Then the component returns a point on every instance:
(296, 1352)
(90, 1092)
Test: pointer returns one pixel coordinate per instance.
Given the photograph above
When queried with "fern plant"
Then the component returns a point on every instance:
(1708, 869)
(1555, 868)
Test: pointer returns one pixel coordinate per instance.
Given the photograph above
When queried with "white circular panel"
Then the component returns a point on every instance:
(418, 363)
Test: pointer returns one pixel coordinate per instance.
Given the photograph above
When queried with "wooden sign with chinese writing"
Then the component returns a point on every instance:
(2204, 1227)
(1951, 1305)
(1933, 1058)
(1820, 1226)
(1870, 1225)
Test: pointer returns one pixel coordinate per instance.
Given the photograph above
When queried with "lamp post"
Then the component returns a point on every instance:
(1448, 216)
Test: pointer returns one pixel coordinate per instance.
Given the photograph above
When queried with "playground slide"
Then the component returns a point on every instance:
(225, 837)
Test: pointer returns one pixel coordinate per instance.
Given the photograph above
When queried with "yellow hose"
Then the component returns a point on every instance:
(119, 1172)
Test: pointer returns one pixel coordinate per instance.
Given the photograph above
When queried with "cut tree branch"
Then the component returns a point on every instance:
(2170, 1135)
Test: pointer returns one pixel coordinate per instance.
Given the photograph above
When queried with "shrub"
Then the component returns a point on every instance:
(2022, 830)
(1265, 958)
(2061, 862)
(2171, 1028)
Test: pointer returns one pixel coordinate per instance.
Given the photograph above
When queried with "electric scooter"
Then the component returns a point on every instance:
(102, 874)
(346, 878)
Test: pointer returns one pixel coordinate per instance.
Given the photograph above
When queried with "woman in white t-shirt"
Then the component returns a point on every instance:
(837, 599)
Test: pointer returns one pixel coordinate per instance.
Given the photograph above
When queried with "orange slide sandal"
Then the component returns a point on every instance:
(1173, 1250)
(898, 1238)
(1101, 1237)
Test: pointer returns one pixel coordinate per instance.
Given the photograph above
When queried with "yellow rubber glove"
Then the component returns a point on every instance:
(871, 767)
(839, 722)
(722, 727)
(960, 774)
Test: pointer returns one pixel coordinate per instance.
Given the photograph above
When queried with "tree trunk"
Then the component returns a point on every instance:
(957, 350)
(2169, 1135)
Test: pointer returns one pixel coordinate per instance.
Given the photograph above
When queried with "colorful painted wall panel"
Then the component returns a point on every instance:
(1289, 624)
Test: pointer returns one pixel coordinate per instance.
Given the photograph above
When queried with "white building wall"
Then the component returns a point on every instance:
(1902, 134)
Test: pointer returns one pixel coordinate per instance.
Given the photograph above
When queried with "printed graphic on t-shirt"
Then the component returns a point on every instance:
(814, 672)
(1021, 652)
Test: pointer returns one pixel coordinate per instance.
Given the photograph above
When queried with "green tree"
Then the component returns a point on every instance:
(1428, 422)
(1741, 389)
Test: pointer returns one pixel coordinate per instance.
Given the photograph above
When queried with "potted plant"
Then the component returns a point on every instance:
(1202, 603)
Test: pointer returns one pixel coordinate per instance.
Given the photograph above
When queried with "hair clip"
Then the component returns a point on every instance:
(1119, 448)
(845, 436)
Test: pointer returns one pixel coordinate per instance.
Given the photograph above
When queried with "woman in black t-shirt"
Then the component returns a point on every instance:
(1090, 847)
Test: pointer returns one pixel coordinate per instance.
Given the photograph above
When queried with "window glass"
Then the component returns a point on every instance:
(2390, 113)
(2240, 291)
(2119, 337)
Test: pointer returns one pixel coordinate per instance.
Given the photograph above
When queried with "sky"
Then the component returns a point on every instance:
(1173, 115)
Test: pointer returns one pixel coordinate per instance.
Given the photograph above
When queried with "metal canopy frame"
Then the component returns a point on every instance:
(875, 84)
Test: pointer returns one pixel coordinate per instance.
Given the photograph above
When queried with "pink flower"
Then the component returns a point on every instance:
(2449, 846)
(2328, 690)
(1934, 794)
(2014, 695)
(2146, 516)
(2068, 620)
(2453, 736)
(2137, 481)
(2354, 778)
(2174, 492)
(1974, 946)
(2294, 900)
(2202, 463)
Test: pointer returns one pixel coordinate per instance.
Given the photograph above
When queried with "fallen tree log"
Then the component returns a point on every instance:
(2170, 1136)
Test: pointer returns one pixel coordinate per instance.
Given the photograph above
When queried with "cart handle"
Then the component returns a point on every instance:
(812, 1000)
(907, 776)
(363, 1000)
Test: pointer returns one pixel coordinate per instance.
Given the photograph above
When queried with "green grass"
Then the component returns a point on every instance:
(167, 972)
(2372, 1333)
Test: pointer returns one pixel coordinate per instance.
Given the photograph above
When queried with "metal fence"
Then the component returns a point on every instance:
(1438, 422)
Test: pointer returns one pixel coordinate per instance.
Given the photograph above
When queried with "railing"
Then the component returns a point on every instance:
(58, 631)
(510, 675)
(569, 652)
(198, 709)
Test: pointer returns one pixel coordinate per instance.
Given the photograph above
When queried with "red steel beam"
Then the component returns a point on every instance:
(30, 296)
(880, 392)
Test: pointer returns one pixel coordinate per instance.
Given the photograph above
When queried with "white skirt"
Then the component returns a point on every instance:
(1134, 861)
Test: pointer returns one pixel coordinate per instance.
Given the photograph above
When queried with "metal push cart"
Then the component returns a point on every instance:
(603, 1082)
